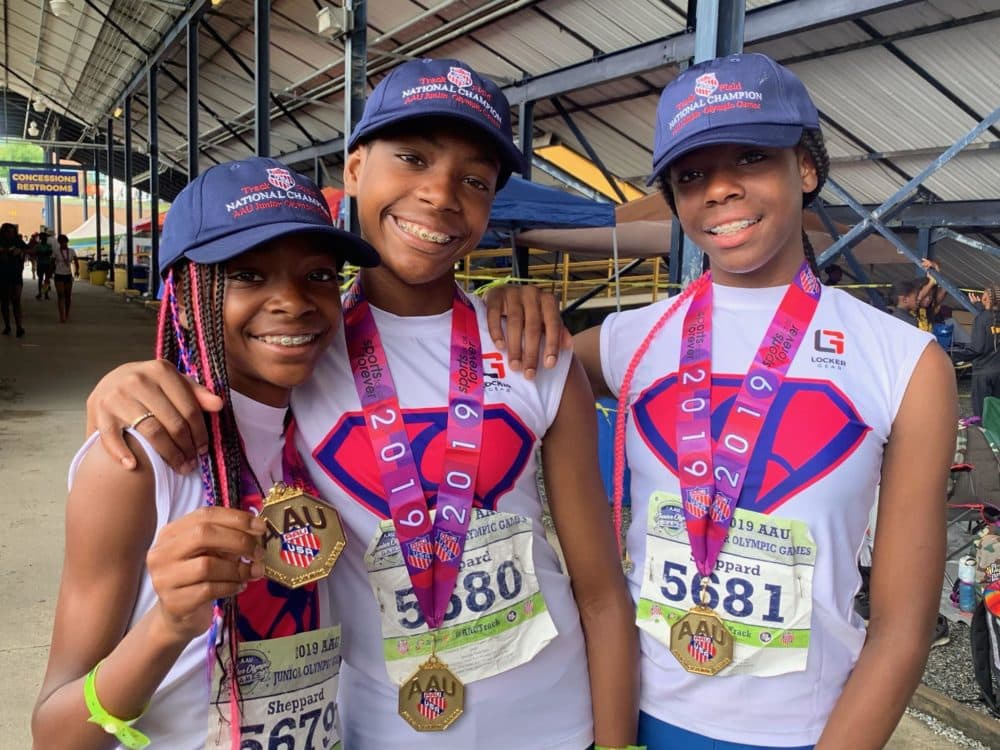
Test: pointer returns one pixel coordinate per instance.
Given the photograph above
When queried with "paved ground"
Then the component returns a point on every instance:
(44, 380)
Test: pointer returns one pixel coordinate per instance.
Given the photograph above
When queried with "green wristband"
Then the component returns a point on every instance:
(130, 738)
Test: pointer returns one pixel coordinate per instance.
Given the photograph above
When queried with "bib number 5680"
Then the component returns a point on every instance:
(480, 594)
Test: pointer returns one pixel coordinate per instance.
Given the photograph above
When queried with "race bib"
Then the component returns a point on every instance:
(761, 585)
(289, 691)
(497, 618)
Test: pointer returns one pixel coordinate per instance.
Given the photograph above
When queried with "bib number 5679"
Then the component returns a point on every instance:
(284, 737)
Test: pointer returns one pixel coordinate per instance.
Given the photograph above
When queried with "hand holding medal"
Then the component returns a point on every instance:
(203, 556)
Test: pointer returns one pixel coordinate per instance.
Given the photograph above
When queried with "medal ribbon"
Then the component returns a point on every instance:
(711, 480)
(268, 609)
(432, 552)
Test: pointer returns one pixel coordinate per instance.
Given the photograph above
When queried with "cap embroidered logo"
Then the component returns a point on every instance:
(281, 179)
(460, 77)
(705, 85)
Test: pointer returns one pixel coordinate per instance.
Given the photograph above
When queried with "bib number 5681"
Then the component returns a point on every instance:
(738, 601)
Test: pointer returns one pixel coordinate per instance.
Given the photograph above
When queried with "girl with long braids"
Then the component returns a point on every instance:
(163, 589)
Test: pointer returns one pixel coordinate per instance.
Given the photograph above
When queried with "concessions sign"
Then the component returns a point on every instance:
(43, 182)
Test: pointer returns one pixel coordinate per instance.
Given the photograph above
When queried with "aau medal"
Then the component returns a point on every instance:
(701, 642)
(304, 537)
(432, 698)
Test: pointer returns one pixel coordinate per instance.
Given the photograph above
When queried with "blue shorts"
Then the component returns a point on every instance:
(658, 735)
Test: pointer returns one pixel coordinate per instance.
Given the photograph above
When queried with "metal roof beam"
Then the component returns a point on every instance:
(333, 146)
(911, 153)
(194, 13)
(763, 24)
(955, 214)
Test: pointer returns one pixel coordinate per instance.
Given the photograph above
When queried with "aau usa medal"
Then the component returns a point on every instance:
(701, 642)
(432, 698)
(304, 536)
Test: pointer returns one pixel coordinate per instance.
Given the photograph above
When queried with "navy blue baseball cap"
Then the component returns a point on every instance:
(236, 206)
(747, 98)
(442, 88)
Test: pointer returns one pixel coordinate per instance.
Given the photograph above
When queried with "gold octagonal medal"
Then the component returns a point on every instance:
(304, 536)
(432, 698)
(701, 642)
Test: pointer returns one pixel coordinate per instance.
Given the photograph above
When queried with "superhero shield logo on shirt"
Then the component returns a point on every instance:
(346, 455)
(811, 429)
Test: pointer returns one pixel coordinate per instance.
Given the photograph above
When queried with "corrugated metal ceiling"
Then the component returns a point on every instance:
(915, 77)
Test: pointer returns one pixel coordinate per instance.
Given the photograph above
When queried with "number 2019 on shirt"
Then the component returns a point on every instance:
(738, 598)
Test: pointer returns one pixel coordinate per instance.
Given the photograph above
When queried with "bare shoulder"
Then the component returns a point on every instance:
(103, 489)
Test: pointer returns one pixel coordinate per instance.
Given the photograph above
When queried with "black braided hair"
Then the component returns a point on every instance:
(810, 253)
(200, 293)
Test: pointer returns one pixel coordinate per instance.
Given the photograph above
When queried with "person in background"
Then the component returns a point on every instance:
(905, 294)
(834, 275)
(986, 347)
(13, 251)
(65, 266)
(41, 250)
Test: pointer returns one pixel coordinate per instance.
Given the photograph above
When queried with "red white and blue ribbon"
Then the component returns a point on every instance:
(711, 479)
(432, 551)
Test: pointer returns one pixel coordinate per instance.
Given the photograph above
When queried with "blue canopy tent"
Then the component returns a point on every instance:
(523, 205)
(526, 205)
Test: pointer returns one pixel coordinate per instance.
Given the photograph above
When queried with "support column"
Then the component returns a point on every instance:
(129, 237)
(355, 73)
(111, 194)
(718, 31)
(262, 75)
(525, 132)
(152, 278)
(192, 98)
(97, 191)
(924, 243)
(50, 204)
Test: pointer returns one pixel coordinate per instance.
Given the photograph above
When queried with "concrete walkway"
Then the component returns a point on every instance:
(44, 381)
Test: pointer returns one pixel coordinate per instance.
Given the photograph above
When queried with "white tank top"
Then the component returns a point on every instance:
(836, 409)
(544, 703)
(177, 716)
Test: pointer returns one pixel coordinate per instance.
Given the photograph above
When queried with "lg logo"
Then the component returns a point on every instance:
(831, 342)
